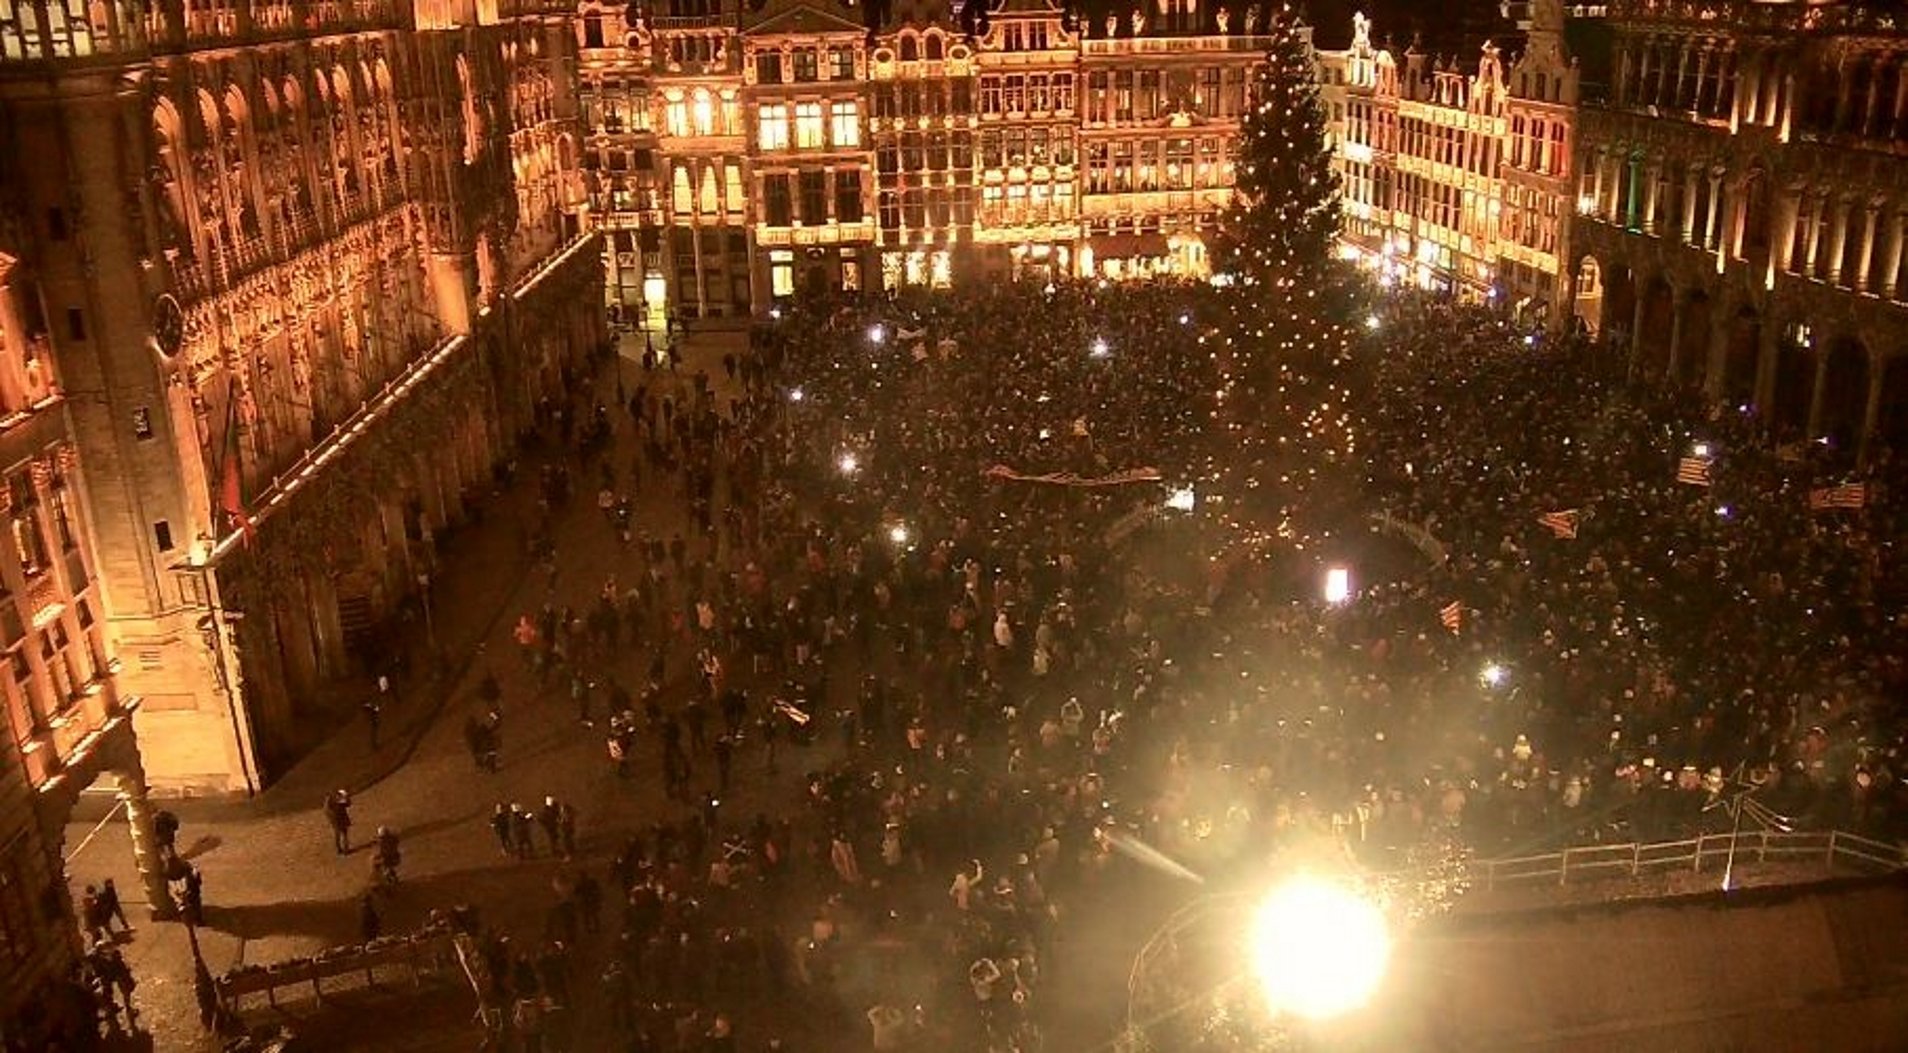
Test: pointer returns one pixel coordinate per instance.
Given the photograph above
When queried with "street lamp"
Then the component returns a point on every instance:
(1318, 947)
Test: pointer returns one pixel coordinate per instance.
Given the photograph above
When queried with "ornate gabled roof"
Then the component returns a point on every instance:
(802, 16)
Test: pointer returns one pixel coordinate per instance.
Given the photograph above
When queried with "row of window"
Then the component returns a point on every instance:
(1158, 164)
(806, 196)
(915, 208)
(1007, 148)
(804, 65)
(1119, 96)
(839, 129)
(1027, 93)
(934, 98)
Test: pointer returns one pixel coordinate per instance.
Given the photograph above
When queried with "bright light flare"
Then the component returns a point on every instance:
(1318, 948)
(1372, 322)
(849, 464)
(1100, 348)
(1701, 449)
(796, 395)
(1337, 585)
(898, 534)
(1182, 499)
(877, 334)
(1493, 675)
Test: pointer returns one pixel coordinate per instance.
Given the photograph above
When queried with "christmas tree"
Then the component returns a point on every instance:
(1286, 391)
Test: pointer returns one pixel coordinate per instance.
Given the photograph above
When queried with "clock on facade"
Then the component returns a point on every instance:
(168, 325)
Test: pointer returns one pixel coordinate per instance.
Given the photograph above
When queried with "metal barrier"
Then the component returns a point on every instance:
(1592, 862)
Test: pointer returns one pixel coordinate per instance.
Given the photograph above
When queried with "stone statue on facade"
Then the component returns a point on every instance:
(1224, 18)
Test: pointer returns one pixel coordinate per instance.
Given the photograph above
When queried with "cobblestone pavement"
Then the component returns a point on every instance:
(274, 886)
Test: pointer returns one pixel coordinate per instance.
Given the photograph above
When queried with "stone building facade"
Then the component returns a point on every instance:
(67, 725)
(307, 268)
(1459, 180)
(1742, 198)
(942, 146)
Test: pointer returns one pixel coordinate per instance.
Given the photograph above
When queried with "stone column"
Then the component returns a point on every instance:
(1787, 206)
(1692, 186)
(1838, 240)
(1766, 352)
(1871, 409)
(1748, 92)
(1636, 323)
(1699, 103)
(1891, 257)
(1811, 250)
(1818, 393)
(1719, 327)
(146, 855)
(1866, 256)
(1712, 237)
(1675, 337)
(1651, 189)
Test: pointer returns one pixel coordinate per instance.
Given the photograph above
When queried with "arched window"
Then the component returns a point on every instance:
(934, 47)
(910, 49)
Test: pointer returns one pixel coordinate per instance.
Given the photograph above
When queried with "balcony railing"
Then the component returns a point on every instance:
(1175, 45)
(1834, 850)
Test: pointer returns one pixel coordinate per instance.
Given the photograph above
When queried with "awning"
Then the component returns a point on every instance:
(1129, 246)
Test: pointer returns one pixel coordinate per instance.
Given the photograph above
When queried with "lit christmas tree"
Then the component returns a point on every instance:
(1284, 356)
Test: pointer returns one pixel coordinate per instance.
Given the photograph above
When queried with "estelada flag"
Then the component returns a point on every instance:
(1563, 523)
(1452, 615)
(1693, 470)
(1847, 495)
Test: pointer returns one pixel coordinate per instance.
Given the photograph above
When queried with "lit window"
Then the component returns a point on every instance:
(782, 272)
(846, 118)
(676, 118)
(772, 127)
(704, 113)
(733, 189)
(682, 195)
(808, 126)
(711, 202)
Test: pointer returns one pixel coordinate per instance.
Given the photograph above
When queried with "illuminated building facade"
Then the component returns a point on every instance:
(1742, 195)
(924, 154)
(306, 268)
(1455, 180)
(922, 94)
(67, 726)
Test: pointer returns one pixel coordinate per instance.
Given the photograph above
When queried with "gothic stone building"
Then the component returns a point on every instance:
(1743, 189)
(304, 270)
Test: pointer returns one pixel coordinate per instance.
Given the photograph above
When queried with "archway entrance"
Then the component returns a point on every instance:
(1794, 385)
(1659, 317)
(1692, 358)
(1844, 394)
(1742, 339)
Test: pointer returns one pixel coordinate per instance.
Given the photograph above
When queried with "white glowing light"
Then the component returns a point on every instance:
(1530, 339)
(1701, 449)
(1318, 948)
(1723, 511)
(1182, 499)
(775, 313)
(1493, 674)
(795, 395)
(1046, 433)
(1185, 319)
(876, 334)
(1337, 585)
(1100, 349)
(1371, 321)
(898, 534)
(849, 464)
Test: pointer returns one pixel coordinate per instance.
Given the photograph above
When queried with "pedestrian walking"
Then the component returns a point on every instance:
(109, 902)
(501, 825)
(370, 922)
(338, 812)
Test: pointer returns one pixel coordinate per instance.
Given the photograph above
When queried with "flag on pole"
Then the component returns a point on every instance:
(1847, 495)
(231, 479)
(1452, 615)
(1562, 523)
(1693, 470)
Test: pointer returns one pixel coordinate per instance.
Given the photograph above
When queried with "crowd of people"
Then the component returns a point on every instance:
(960, 558)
